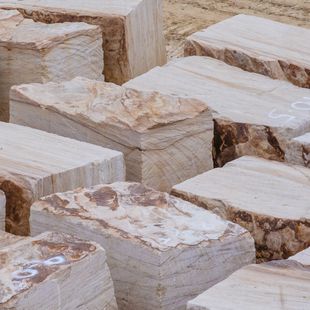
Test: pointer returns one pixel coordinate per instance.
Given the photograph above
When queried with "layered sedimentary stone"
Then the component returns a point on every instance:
(34, 163)
(132, 30)
(161, 250)
(299, 150)
(54, 271)
(277, 285)
(268, 198)
(158, 134)
(256, 44)
(253, 114)
(36, 52)
(2, 210)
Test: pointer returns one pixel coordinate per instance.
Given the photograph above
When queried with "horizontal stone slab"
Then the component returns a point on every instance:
(132, 30)
(54, 271)
(268, 198)
(257, 44)
(37, 52)
(162, 251)
(34, 163)
(302, 257)
(276, 285)
(158, 134)
(253, 114)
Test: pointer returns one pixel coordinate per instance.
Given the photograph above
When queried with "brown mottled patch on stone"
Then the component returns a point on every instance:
(272, 140)
(104, 196)
(305, 155)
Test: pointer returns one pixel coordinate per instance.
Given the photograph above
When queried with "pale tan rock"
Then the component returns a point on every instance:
(276, 285)
(2, 210)
(158, 134)
(268, 198)
(258, 45)
(7, 239)
(36, 52)
(302, 257)
(34, 163)
(299, 150)
(133, 39)
(161, 250)
(253, 114)
(54, 271)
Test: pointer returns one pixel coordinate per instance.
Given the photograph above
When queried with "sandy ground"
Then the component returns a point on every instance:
(184, 17)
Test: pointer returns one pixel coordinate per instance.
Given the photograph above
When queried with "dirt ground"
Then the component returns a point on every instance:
(184, 17)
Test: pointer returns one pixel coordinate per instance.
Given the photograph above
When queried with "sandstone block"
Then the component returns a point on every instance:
(34, 163)
(258, 45)
(161, 250)
(158, 134)
(268, 198)
(133, 39)
(276, 285)
(54, 271)
(36, 52)
(253, 114)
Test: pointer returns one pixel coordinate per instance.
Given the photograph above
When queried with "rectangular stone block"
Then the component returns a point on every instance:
(258, 45)
(54, 271)
(34, 163)
(165, 139)
(2, 210)
(268, 198)
(132, 30)
(276, 285)
(162, 251)
(253, 114)
(36, 52)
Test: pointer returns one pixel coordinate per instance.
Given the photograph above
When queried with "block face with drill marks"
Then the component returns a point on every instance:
(257, 44)
(268, 198)
(279, 285)
(54, 271)
(132, 30)
(161, 250)
(158, 134)
(36, 52)
(253, 114)
(34, 163)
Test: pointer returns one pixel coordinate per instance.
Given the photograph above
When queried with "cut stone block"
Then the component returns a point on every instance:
(158, 134)
(133, 39)
(2, 210)
(276, 285)
(253, 114)
(34, 163)
(299, 150)
(258, 45)
(162, 251)
(268, 198)
(54, 271)
(302, 257)
(36, 52)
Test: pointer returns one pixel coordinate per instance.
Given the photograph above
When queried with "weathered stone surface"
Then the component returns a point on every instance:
(36, 52)
(158, 134)
(7, 239)
(161, 250)
(2, 210)
(133, 39)
(34, 163)
(268, 198)
(299, 150)
(253, 114)
(257, 44)
(276, 285)
(302, 257)
(54, 271)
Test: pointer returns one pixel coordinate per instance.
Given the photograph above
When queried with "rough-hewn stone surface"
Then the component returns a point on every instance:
(54, 271)
(133, 40)
(299, 150)
(268, 198)
(34, 163)
(158, 134)
(36, 52)
(161, 250)
(2, 210)
(257, 44)
(276, 285)
(253, 114)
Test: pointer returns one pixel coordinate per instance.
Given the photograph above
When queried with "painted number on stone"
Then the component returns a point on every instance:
(31, 270)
